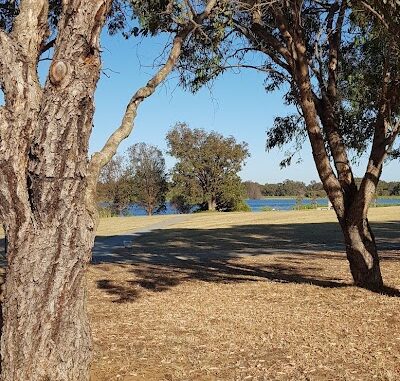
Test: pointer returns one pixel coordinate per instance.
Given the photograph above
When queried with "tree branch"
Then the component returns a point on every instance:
(327, 108)
(270, 40)
(376, 14)
(31, 27)
(381, 144)
(101, 158)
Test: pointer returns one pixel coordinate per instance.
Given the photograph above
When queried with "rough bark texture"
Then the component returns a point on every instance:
(48, 184)
(46, 334)
(43, 156)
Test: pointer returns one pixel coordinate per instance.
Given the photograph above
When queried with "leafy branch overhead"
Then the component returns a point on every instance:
(343, 42)
(338, 62)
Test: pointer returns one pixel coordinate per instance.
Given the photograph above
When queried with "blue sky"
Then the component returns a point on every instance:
(235, 105)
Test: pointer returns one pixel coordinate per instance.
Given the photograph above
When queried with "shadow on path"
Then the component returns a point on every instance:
(163, 258)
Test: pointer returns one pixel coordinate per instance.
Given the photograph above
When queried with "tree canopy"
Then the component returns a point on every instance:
(207, 167)
(115, 187)
(146, 168)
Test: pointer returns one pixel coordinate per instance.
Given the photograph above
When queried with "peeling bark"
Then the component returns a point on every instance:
(48, 184)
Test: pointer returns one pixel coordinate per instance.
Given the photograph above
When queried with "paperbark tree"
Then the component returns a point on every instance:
(47, 182)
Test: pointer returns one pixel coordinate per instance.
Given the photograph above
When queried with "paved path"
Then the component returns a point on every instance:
(104, 245)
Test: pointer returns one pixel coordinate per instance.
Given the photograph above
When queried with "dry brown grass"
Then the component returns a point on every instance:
(244, 297)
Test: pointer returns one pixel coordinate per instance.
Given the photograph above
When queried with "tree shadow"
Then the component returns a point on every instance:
(162, 259)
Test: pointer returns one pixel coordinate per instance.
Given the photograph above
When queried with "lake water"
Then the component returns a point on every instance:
(258, 205)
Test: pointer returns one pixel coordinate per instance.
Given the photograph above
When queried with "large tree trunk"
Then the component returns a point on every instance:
(362, 254)
(48, 185)
(46, 334)
(350, 205)
(43, 192)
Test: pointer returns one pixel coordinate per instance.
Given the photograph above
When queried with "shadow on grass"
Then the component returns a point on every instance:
(162, 259)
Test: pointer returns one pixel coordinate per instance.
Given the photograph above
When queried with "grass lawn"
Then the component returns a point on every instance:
(242, 296)
(116, 225)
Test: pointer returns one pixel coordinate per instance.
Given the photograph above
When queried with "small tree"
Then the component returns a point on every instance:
(207, 164)
(231, 195)
(147, 170)
(181, 203)
(115, 186)
(299, 200)
(314, 200)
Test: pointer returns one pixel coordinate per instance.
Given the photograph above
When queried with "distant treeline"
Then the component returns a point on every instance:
(291, 188)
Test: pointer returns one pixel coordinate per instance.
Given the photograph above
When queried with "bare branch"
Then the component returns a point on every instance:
(326, 107)
(258, 68)
(99, 159)
(47, 46)
(270, 40)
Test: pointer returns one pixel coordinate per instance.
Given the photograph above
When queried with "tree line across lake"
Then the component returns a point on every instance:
(292, 188)
(205, 176)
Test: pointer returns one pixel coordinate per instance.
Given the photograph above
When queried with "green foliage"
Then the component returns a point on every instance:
(291, 188)
(138, 177)
(181, 204)
(230, 197)
(114, 190)
(253, 190)
(241, 206)
(267, 209)
(285, 130)
(207, 167)
(367, 47)
(308, 206)
(105, 212)
(146, 167)
(315, 190)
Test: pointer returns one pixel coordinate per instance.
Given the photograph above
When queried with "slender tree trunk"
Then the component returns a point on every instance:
(46, 334)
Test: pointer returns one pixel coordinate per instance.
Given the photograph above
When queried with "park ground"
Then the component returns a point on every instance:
(240, 296)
